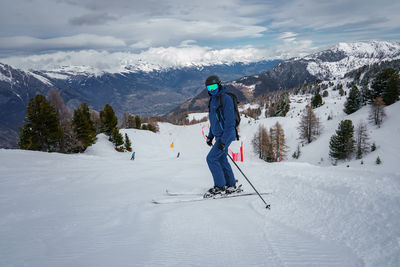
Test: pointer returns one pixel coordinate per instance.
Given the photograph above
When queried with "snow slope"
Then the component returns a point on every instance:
(94, 209)
(355, 55)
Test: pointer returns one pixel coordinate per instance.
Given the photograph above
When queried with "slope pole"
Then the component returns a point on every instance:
(267, 206)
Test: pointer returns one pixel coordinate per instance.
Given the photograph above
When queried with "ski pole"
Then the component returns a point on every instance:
(267, 206)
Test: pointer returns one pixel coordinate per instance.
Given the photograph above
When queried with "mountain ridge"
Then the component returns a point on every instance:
(328, 64)
(141, 93)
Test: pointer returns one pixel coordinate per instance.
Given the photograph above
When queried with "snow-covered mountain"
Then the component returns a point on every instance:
(329, 64)
(152, 89)
(346, 57)
(138, 92)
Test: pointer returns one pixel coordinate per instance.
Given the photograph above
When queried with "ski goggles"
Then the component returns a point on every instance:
(212, 87)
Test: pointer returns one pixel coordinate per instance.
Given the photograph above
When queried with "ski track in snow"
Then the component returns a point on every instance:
(94, 209)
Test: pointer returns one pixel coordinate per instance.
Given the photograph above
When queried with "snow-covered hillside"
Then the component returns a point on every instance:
(345, 57)
(94, 209)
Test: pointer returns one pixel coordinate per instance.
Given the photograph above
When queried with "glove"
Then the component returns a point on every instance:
(221, 146)
(209, 141)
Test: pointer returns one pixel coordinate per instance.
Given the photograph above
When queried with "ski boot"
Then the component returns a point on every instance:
(214, 191)
(233, 189)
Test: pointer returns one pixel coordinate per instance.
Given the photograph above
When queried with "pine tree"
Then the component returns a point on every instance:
(373, 147)
(131, 122)
(391, 92)
(108, 120)
(309, 126)
(316, 101)
(138, 122)
(342, 143)
(64, 114)
(366, 94)
(41, 130)
(386, 85)
(117, 138)
(128, 144)
(84, 126)
(354, 101)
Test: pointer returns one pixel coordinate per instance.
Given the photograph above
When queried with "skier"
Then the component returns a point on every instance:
(222, 127)
(133, 155)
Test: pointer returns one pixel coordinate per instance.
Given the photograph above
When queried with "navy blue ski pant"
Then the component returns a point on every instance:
(219, 166)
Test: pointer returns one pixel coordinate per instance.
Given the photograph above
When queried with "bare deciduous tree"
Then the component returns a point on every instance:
(278, 141)
(377, 112)
(309, 126)
(63, 111)
(362, 139)
(262, 144)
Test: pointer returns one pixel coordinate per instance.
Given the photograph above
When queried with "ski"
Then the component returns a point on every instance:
(200, 198)
(169, 193)
(175, 194)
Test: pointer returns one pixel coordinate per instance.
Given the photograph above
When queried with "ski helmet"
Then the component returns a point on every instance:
(213, 80)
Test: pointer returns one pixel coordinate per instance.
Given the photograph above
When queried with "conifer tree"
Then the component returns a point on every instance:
(391, 92)
(131, 122)
(108, 120)
(316, 101)
(386, 85)
(128, 144)
(354, 101)
(41, 130)
(309, 126)
(117, 138)
(84, 126)
(138, 122)
(342, 143)
(67, 139)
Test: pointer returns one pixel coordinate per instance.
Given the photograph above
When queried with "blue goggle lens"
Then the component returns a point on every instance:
(212, 87)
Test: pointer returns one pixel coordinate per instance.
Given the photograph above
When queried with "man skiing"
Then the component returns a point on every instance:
(222, 127)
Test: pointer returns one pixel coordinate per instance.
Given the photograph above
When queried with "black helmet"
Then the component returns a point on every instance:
(212, 80)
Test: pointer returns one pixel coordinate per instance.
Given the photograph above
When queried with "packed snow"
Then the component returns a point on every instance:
(95, 208)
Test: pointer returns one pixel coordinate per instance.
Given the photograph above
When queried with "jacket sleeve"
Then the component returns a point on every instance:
(229, 119)
(210, 133)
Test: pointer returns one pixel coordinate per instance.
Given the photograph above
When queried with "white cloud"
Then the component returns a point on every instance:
(79, 41)
(153, 58)
(287, 36)
(42, 25)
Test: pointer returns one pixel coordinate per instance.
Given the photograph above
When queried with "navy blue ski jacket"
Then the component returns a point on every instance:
(222, 124)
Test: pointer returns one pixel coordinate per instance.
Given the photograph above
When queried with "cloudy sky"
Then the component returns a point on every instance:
(96, 32)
